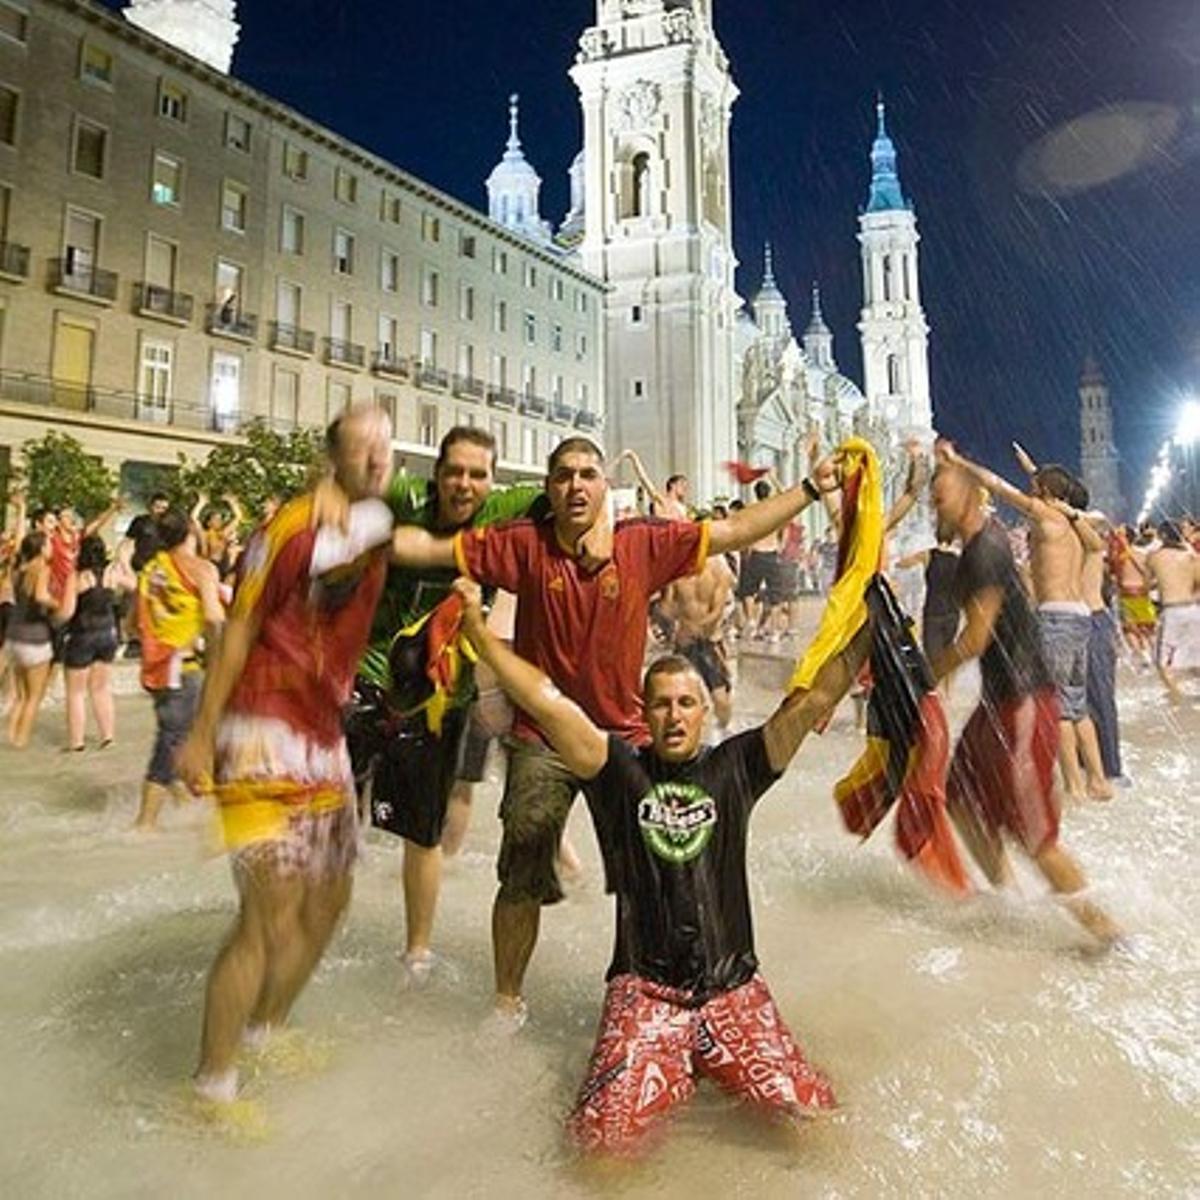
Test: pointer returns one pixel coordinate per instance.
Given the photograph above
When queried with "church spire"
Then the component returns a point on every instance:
(514, 186)
(770, 307)
(886, 194)
(818, 338)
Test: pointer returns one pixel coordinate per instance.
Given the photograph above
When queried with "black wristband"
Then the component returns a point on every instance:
(810, 489)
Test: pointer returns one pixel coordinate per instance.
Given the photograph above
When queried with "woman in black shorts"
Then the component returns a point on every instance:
(90, 645)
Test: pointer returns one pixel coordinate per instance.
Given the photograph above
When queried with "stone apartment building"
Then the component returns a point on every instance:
(180, 253)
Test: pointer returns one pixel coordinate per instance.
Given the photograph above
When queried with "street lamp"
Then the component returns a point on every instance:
(1187, 434)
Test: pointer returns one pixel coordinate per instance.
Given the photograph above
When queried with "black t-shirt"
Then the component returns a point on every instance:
(1013, 663)
(940, 600)
(674, 843)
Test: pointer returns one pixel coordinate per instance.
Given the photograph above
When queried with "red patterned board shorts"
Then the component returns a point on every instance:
(1003, 768)
(653, 1043)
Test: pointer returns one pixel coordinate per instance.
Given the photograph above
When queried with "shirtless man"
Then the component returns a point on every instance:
(1138, 618)
(1056, 555)
(696, 604)
(669, 501)
(1174, 569)
(758, 586)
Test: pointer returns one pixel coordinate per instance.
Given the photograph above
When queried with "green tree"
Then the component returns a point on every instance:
(58, 472)
(265, 464)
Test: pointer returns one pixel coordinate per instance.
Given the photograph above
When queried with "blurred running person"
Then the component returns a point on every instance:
(90, 645)
(1174, 568)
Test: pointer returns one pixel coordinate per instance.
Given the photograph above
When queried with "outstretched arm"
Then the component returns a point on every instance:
(583, 747)
(648, 485)
(97, 523)
(1000, 488)
(413, 546)
(918, 472)
(799, 714)
(756, 521)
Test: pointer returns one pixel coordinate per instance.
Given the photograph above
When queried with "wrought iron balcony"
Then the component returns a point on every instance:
(91, 283)
(587, 422)
(385, 361)
(151, 300)
(533, 406)
(291, 339)
(562, 414)
(226, 320)
(14, 260)
(429, 376)
(345, 354)
(467, 387)
(502, 397)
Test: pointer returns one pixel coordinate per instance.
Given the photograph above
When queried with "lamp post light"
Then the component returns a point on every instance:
(1187, 435)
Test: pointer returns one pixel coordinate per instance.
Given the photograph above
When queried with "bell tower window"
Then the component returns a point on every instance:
(641, 185)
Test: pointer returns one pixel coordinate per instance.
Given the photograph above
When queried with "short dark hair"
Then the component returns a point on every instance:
(333, 435)
(1170, 533)
(671, 664)
(93, 554)
(33, 545)
(573, 445)
(465, 433)
(1056, 480)
(672, 480)
(762, 489)
(160, 496)
(173, 528)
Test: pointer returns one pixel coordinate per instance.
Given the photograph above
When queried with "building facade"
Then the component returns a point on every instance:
(1100, 463)
(180, 253)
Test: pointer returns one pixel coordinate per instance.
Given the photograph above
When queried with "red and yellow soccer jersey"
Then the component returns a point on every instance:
(312, 630)
(586, 631)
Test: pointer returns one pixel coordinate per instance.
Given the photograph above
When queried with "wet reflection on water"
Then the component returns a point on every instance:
(979, 1049)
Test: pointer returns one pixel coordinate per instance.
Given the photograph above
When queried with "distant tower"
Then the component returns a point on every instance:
(514, 187)
(1098, 458)
(895, 336)
(205, 29)
(770, 307)
(818, 338)
(657, 95)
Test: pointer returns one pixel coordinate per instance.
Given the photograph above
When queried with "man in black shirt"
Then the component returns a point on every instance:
(684, 993)
(1001, 779)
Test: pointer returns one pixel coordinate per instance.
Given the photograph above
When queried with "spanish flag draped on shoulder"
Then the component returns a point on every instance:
(908, 743)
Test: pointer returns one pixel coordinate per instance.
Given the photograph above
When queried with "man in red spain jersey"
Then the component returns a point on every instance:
(584, 624)
(269, 729)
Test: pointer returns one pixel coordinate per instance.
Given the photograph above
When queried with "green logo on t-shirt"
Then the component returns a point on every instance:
(676, 820)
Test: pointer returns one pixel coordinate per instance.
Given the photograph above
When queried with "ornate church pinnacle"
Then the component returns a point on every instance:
(514, 115)
(816, 302)
(886, 194)
(768, 266)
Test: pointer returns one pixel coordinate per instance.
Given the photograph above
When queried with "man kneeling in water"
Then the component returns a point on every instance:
(684, 993)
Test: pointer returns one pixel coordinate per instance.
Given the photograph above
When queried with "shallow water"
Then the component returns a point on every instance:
(979, 1049)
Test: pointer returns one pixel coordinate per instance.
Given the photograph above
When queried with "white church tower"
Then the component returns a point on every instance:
(657, 96)
(514, 187)
(205, 29)
(895, 336)
(1100, 464)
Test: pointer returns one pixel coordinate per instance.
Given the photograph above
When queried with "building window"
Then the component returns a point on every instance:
(291, 231)
(345, 186)
(161, 259)
(466, 245)
(343, 252)
(154, 374)
(499, 431)
(637, 389)
(431, 228)
(530, 328)
(499, 316)
(557, 392)
(427, 348)
(389, 335)
(499, 370)
(641, 185)
(429, 287)
(581, 301)
(427, 422)
(390, 208)
(341, 321)
(581, 397)
(528, 445)
(499, 261)
(466, 302)
(528, 379)
(895, 383)
(225, 391)
(285, 398)
(887, 277)
(389, 271)
(557, 289)
(581, 345)
(14, 22)
(172, 102)
(635, 315)
(166, 186)
(295, 162)
(229, 287)
(466, 360)
(82, 242)
(234, 202)
(289, 304)
(90, 149)
(556, 337)
(530, 275)
(9, 101)
(237, 133)
(337, 398)
(96, 65)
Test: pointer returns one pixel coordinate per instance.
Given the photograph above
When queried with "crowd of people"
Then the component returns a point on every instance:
(353, 657)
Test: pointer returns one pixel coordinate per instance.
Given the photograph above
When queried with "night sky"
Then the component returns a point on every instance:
(1039, 243)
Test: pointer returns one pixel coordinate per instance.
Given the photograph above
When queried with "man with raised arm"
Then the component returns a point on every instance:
(1001, 779)
(584, 623)
(269, 732)
(684, 997)
(1056, 567)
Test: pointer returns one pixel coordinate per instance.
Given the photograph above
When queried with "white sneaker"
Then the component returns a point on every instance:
(416, 970)
(505, 1022)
